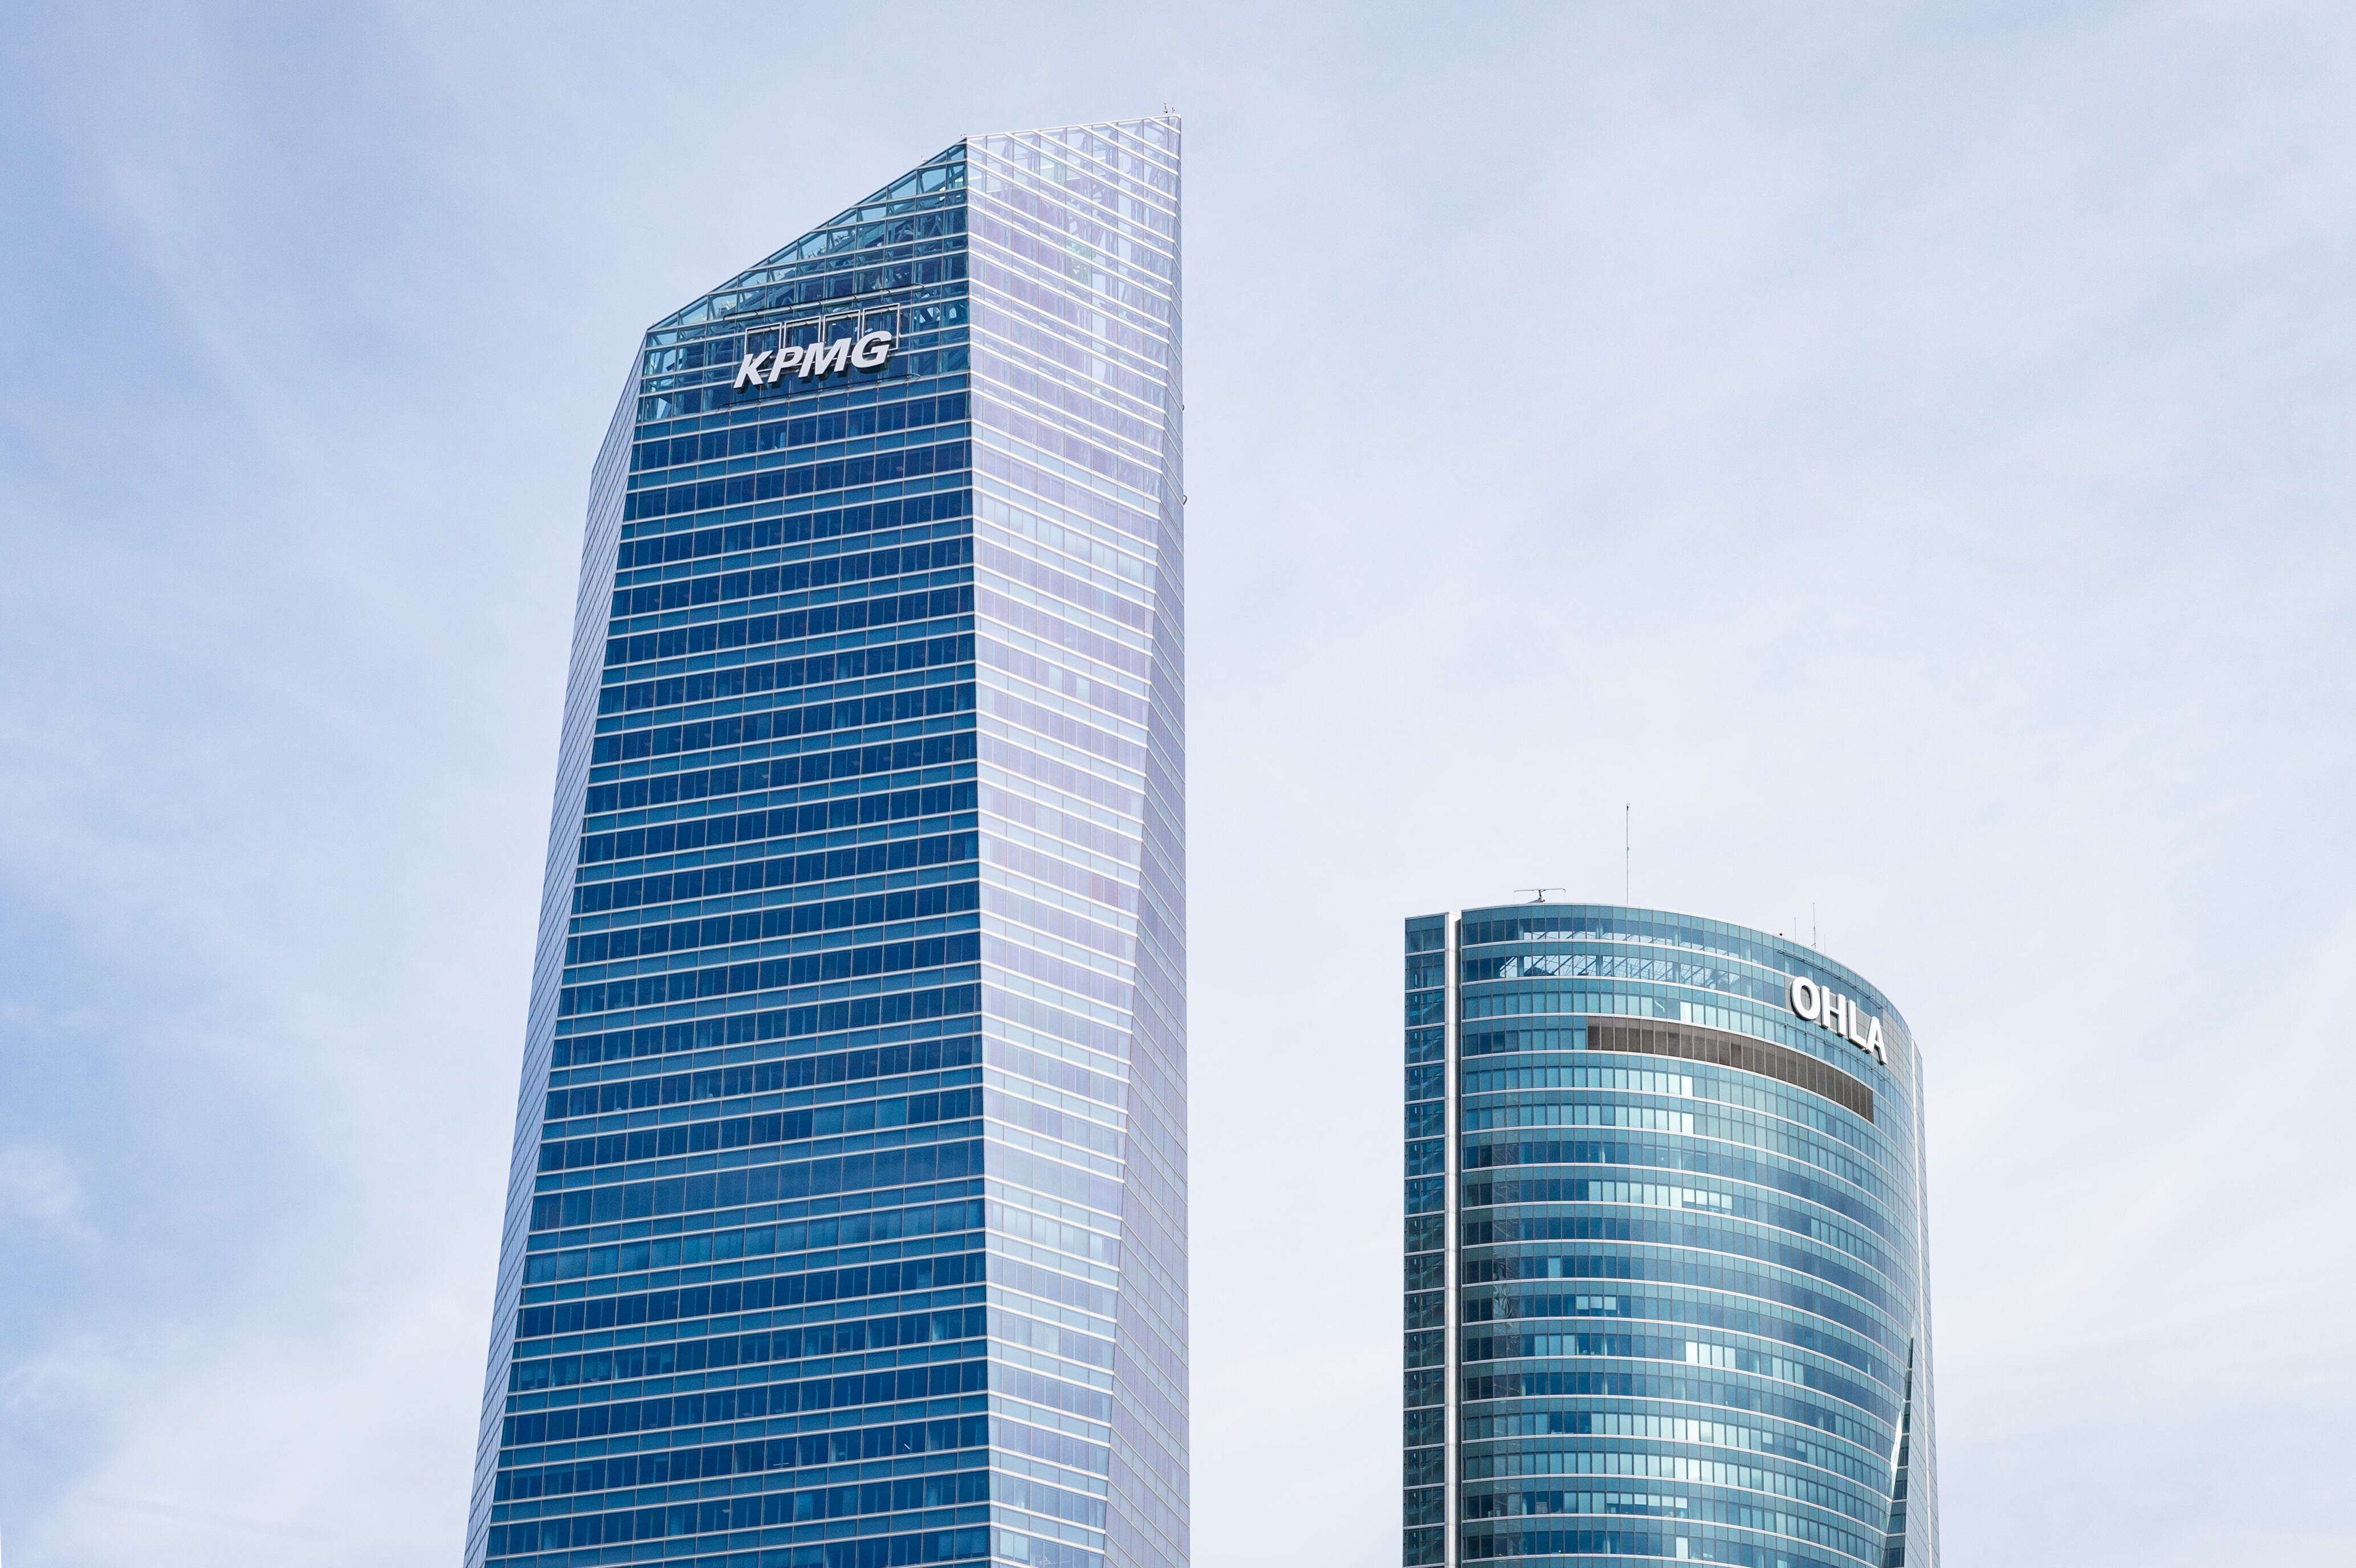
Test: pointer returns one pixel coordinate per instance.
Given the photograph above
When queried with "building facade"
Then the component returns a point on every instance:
(848, 1214)
(1667, 1288)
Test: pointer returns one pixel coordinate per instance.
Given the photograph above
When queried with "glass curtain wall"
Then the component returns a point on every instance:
(824, 1235)
(1666, 1248)
(1079, 598)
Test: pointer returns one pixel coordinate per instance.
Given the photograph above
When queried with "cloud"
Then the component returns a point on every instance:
(38, 1187)
(322, 1438)
(105, 1503)
(73, 1372)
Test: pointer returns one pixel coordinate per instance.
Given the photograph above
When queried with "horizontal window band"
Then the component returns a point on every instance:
(1738, 1051)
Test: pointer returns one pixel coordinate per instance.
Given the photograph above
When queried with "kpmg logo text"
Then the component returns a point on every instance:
(1838, 1014)
(765, 368)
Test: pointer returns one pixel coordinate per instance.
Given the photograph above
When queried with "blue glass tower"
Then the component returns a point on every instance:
(848, 1213)
(1667, 1288)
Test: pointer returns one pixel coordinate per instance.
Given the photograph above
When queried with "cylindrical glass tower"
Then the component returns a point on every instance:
(1666, 1248)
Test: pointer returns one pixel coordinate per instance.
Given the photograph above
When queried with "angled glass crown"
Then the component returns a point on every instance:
(892, 216)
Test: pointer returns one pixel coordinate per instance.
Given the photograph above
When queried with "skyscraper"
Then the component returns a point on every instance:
(1666, 1248)
(848, 1214)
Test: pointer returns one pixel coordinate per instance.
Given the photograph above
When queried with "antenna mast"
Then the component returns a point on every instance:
(1627, 851)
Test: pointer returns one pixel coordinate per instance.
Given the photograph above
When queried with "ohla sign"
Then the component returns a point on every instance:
(1837, 1013)
(768, 367)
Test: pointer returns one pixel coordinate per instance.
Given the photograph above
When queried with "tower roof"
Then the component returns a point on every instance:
(893, 214)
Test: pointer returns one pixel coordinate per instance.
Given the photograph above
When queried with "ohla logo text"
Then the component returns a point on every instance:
(765, 368)
(1819, 1005)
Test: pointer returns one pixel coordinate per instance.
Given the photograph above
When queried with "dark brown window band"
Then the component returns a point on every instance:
(1733, 1051)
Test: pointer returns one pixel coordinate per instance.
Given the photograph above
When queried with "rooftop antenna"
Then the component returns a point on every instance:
(1627, 851)
(1812, 923)
(1541, 892)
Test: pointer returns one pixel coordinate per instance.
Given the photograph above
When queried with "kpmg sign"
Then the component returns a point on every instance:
(1837, 1013)
(765, 368)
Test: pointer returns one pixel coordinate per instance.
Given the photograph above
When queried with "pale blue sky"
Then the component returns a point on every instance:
(1905, 450)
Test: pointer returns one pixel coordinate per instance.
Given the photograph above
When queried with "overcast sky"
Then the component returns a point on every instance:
(1904, 450)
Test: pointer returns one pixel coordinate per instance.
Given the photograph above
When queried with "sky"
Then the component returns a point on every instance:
(1893, 461)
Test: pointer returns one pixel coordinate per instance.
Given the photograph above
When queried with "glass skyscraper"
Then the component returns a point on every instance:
(1666, 1249)
(847, 1215)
